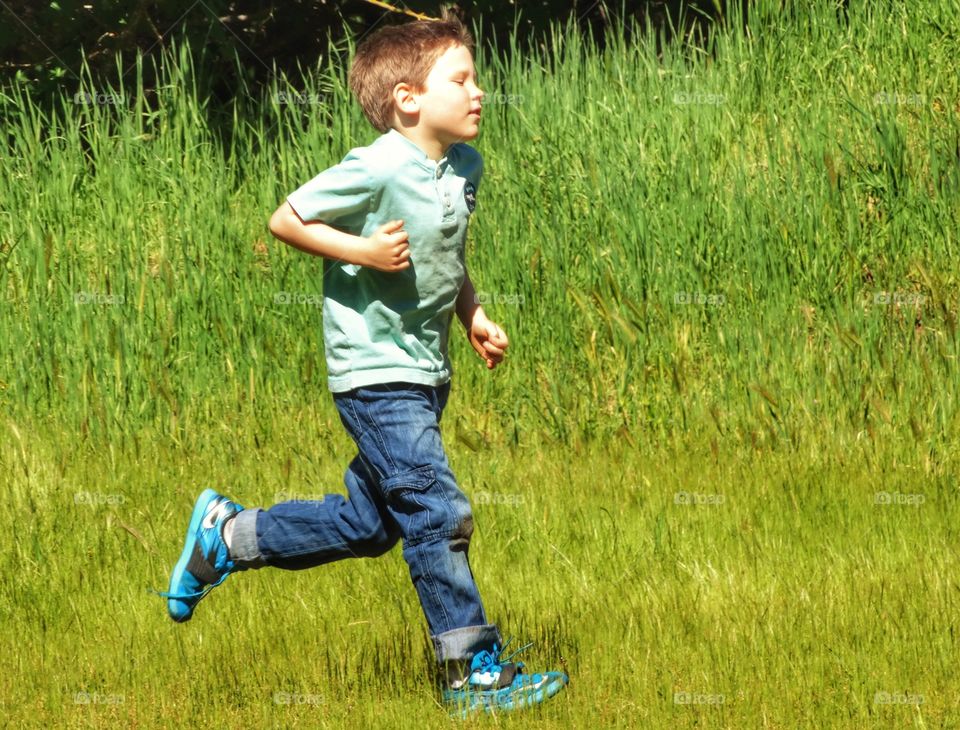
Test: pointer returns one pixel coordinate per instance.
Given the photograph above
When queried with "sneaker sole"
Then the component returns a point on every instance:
(487, 702)
(199, 509)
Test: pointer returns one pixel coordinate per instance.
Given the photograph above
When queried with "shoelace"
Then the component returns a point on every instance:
(493, 661)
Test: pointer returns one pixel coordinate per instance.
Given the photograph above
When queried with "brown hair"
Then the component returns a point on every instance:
(399, 54)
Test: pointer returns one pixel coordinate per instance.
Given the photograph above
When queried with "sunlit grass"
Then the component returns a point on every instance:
(672, 229)
(675, 588)
(720, 458)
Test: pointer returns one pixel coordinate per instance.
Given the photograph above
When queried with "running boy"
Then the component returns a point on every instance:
(390, 222)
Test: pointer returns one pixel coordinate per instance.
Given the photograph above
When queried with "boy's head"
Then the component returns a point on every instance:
(392, 67)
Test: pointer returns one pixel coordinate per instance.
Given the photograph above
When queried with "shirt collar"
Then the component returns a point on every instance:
(413, 150)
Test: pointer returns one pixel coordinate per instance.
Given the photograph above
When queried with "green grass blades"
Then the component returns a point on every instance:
(667, 226)
(714, 479)
(677, 589)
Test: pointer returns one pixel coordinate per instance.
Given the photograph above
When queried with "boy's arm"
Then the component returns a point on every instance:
(467, 304)
(486, 337)
(386, 250)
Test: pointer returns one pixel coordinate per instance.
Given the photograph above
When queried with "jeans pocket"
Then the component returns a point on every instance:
(417, 480)
(415, 499)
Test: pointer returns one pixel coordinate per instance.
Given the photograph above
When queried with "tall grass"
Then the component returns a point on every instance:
(762, 230)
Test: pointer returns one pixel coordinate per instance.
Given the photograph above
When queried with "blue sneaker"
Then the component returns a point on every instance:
(204, 563)
(497, 685)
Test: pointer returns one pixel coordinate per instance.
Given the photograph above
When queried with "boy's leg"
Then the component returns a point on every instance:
(396, 426)
(292, 535)
(301, 534)
(397, 430)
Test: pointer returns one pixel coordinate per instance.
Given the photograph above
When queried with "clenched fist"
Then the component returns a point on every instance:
(387, 249)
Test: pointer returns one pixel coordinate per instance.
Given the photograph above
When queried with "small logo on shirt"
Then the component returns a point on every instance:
(470, 195)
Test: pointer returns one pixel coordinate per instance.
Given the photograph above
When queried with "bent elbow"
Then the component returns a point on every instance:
(276, 224)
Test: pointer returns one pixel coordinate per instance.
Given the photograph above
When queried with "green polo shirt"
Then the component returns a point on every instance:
(380, 327)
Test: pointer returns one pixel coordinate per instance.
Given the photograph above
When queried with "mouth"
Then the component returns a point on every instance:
(475, 112)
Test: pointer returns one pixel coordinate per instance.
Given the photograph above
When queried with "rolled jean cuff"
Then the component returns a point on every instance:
(461, 644)
(243, 542)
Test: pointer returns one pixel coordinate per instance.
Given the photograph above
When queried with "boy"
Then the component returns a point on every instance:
(390, 221)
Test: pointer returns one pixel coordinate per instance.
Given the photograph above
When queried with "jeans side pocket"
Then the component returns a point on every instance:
(418, 479)
(417, 501)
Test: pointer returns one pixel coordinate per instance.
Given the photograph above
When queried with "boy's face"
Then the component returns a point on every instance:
(450, 101)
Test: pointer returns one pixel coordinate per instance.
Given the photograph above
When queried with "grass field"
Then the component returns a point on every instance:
(745, 591)
(715, 479)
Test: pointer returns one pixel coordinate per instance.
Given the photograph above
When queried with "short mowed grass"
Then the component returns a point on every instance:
(715, 480)
(676, 589)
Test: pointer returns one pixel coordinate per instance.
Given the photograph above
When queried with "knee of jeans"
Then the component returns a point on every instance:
(458, 526)
(462, 523)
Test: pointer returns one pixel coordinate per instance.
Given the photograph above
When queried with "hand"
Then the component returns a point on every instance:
(387, 249)
(488, 339)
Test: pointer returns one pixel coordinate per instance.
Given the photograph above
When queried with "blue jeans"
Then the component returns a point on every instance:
(400, 486)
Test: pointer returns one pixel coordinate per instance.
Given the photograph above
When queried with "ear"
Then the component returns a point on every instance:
(407, 101)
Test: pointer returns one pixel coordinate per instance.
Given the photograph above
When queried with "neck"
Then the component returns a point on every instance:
(432, 148)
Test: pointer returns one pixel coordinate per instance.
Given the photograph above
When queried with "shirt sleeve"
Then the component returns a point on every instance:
(340, 195)
(471, 164)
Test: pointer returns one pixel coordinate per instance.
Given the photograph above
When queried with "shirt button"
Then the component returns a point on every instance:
(439, 173)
